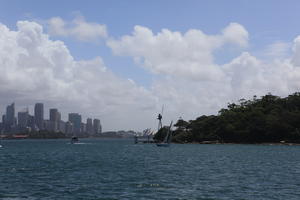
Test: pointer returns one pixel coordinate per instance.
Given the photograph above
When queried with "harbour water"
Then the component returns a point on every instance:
(119, 169)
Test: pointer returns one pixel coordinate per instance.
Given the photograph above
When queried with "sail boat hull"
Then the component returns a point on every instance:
(167, 139)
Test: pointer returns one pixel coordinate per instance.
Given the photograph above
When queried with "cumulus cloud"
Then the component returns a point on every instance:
(194, 82)
(236, 34)
(296, 51)
(34, 68)
(188, 55)
(77, 28)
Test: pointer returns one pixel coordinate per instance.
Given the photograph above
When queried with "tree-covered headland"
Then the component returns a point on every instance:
(269, 119)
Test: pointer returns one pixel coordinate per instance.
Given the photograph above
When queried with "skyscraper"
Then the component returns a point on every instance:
(10, 115)
(75, 118)
(10, 120)
(39, 115)
(54, 119)
(97, 126)
(89, 126)
(23, 119)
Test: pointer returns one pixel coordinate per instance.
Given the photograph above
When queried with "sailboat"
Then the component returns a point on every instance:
(167, 140)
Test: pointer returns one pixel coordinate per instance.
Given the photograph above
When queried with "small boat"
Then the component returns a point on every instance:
(167, 140)
(74, 140)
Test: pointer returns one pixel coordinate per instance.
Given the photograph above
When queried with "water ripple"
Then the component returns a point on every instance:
(118, 169)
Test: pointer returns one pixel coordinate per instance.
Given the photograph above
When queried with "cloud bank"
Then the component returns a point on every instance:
(188, 55)
(190, 83)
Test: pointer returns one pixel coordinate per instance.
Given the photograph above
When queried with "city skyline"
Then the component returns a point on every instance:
(14, 121)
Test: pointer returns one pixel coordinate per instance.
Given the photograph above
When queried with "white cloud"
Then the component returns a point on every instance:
(188, 55)
(276, 51)
(296, 51)
(77, 28)
(34, 68)
(236, 34)
(195, 83)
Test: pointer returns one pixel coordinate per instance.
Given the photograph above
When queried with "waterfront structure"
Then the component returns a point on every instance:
(39, 115)
(97, 126)
(75, 119)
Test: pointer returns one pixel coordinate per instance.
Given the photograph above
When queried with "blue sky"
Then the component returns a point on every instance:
(265, 32)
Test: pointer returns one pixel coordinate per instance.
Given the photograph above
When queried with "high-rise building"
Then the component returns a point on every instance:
(23, 119)
(54, 119)
(39, 115)
(10, 120)
(75, 119)
(83, 128)
(62, 126)
(97, 126)
(31, 123)
(10, 115)
(69, 128)
(3, 119)
(89, 126)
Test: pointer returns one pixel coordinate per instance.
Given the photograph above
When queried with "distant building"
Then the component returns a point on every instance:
(97, 126)
(3, 119)
(23, 119)
(89, 126)
(62, 126)
(10, 114)
(83, 128)
(31, 123)
(54, 119)
(69, 128)
(39, 115)
(75, 119)
(10, 120)
(47, 124)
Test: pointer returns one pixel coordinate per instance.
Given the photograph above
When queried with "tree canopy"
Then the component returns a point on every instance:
(260, 120)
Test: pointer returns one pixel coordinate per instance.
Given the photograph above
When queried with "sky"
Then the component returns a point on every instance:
(121, 61)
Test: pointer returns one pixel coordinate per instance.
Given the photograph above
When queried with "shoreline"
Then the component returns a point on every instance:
(282, 143)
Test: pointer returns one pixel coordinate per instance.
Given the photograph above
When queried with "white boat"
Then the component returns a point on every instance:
(167, 140)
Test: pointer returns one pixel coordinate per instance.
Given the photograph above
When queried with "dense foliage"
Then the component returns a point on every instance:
(268, 119)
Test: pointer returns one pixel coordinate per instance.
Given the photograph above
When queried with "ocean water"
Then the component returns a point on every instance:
(119, 169)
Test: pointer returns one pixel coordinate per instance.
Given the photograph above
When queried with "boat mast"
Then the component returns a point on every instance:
(159, 117)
